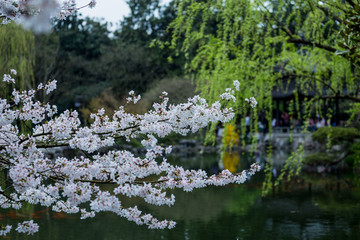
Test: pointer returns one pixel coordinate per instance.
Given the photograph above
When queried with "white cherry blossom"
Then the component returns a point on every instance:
(66, 184)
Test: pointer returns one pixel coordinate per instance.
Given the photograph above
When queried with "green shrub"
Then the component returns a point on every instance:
(354, 155)
(319, 159)
(336, 135)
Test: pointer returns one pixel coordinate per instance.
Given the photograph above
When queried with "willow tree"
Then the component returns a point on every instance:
(17, 51)
(268, 45)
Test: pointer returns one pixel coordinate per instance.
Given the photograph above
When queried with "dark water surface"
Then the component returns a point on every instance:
(313, 206)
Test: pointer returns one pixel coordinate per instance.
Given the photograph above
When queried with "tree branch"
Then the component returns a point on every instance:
(8, 197)
(297, 40)
(310, 43)
(309, 76)
(336, 18)
(348, 97)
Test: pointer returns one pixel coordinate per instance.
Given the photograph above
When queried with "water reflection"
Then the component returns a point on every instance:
(315, 206)
(231, 161)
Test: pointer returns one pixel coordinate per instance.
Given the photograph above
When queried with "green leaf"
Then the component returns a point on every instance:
(357, 7)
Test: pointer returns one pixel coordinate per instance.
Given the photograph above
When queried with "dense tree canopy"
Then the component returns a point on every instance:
(17, 51)
(71, 54)
(141, 64)
(268, 45)
(79, 183)
(351, 33)
(89, 61)
(304, 49)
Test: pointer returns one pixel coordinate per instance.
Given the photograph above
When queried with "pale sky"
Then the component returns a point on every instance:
(111, 10)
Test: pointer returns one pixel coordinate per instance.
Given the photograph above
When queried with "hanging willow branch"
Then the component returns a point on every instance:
(245, 40)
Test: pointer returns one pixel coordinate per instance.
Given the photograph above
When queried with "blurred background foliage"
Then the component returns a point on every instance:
(17, 51)
(185, 47)
(97, 68)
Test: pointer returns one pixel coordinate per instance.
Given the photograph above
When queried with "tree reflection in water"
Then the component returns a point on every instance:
(315, 206)
(231, 161)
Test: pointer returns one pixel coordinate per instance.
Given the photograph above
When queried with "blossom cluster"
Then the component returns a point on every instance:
(64, 184)
(252, 101)
(36, 15)
(5, 230)
(28, 227)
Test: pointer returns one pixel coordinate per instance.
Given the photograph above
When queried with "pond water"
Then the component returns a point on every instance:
(313, 206)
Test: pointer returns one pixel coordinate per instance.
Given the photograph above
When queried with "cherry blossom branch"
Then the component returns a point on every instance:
(65, 184)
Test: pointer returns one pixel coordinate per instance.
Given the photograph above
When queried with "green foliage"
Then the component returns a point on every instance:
(351, 33)
(71, 54)
(16, 52)
(254, 43)
(210, 136)
(277, 45)
(354, 118)
(316, 159)
(147, 21)
(335, 135)
(292, 166)
(283, 46)
(137, 65)
(82, 37)
(46, 48)
(133, 67)
(268, 181)
(171, 139)
(353, 158)
(86, 62)
(178, 89)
